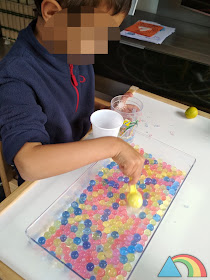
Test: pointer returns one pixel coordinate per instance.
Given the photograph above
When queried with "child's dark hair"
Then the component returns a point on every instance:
(117, 6)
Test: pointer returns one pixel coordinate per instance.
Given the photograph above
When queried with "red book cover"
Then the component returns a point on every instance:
(145, 29)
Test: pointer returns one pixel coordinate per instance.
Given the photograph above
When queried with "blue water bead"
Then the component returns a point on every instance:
(142, 215)
(115, 205)
(145, 202)
(150, 155)
(74, 255)
(83, 196)
(64, 221)
(138, 183)
(142, 186)
(137, 237)
(122, 196)
(92, 277)
(94, 207)
(160, 202)
(166, 179)
(131, 249)
(113, 163)
(111, 183)
(90, 188)
(172, 192)
(168, 187)
(86, 245)
(66, 214)
(133, 242)
(172, 180)
(98, 233)
(123, 251)
(52, 253)
(146, 195)
(99, 248)
(146, 162)
(126, 179)
(123, 259)
(63, 238)
(155, 161)
(175, 185)
(157, 217)
(107, 212)
(110, 194)
(104, 218)
(120, 179)
(69, 265)
(88, 223)
(74, 228)
(85, 237)
(150, 227)
(87, 231)
(82, 201)
(106, 181)
(42, 240)
(148, 181)
(74, 204)
(77, 211)
(103, 264)
(100, 173)
(92, 182)
(139, 248)
(116, 186)
(115, 234)
(109, 166)
(154, 181)
(90, 266)
(77, 240)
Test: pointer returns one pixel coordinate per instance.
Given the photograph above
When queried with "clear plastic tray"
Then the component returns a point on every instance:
(165, 166)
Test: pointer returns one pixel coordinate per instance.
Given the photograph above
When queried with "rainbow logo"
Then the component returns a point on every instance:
(194, 265)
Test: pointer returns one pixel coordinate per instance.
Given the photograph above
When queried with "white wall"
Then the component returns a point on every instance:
(148, 5)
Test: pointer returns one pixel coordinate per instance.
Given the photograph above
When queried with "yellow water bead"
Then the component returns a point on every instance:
(94, 227)
(112, 199)
(97, 217)
(112, 272)
(59, 251)
(168, 198)
(120, 277)
(122, 203)
(118, 224)
(71, 221)
(169, 174)
(146, 210)
(106, 277)
(126, 226)
(104, 176)
(121, 231)
(47, 234)
(88, 207)
(102, 202)
(78, 218)
(153, 222)
(136, 147)
(156, 204)
(116, 195)
(130, 221)
(89, 198)
(85, 217)
(107, 246)
(149, 216)
(163, 187)
(107, 230)
(146, 167)
(127, 267)
(101, 256)
(106, 224)
(153, 199)
(108, 204)
(73, 247)
(160, 212)
(57, 242)
(95, 194)
(101, 191)
(164, 174)
(184, 173)
(149, 172)
(82, 206)
(95, 270)
(108, 254)
(159, 176)
(166, 203)
(110, 240)
(163, 207)
(147, 232)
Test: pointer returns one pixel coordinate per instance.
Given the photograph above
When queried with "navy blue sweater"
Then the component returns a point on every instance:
(42, 98)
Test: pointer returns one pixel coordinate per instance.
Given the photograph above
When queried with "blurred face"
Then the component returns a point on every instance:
(80, 33)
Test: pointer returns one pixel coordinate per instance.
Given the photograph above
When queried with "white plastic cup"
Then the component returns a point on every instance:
(106, 123)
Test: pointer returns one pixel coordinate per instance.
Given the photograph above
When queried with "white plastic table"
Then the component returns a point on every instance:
(184, 230)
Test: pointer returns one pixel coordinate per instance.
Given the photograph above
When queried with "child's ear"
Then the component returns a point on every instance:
(49, 8)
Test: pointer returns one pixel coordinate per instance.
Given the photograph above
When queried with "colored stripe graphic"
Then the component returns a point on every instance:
(195, 266)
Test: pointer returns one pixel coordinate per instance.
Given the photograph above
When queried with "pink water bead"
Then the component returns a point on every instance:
(142, 242)
(140, 231)
(144, 237)
(67, 258)
(124, 273)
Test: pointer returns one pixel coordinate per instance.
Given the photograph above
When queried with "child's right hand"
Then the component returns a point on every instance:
(129, 160)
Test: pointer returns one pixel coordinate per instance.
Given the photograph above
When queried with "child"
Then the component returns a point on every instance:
(46, 101)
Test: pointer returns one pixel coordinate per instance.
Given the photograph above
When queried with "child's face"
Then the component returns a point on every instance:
(81, 33)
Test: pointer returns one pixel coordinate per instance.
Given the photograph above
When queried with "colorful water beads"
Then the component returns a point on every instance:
(96, 236)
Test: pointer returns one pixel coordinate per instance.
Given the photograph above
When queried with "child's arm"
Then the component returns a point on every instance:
(36, 161)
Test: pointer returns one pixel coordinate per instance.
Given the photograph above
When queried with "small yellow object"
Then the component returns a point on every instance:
(134, 198)
(191, 113)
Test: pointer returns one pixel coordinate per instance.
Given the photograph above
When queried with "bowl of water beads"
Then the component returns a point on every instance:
(130, 108)
(89, 228)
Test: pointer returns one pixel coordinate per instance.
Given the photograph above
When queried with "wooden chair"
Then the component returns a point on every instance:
(7, 175)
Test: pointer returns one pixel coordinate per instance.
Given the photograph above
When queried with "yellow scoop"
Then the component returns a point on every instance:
(134, 198)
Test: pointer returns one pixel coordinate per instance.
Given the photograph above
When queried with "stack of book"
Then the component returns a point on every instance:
(15, 16)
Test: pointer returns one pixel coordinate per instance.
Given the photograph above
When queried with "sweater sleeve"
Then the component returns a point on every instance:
(21, 118)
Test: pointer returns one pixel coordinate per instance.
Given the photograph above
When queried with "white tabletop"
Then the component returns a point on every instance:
(184, 230)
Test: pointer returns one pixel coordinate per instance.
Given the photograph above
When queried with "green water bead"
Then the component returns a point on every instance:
(120, 277)
(59, 251)
(57, 224)
(147, 232)
(52, 229)
(79, 233)
(70, 210)
(107, 246)
(97, 217)
(149, 216)
(69, 241)
(73, 247)
(57, 242)
(127, 267)
(153, 222)
(96, 236)
(130, 257)
(47, 234)
(81, 226)
(166, 192)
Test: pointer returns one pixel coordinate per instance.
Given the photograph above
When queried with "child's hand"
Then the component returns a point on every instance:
(129, 160)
